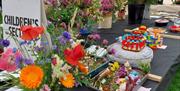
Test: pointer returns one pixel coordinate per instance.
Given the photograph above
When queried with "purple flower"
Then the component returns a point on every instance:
(112, 51)
(97, 37)
(67, 35)
(76, 84)
(49, 23)
(54, 47)
(20, 61)
(28, 61)
(121, 72)
(106, 6)
(38, 49)
(4, 43)
(94, 37)
(62, 40)
(105, 42)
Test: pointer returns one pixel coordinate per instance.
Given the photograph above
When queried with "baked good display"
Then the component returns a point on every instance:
(133, 42)
(154, 37)
(161, 22)
(132, 48)
(174, 28)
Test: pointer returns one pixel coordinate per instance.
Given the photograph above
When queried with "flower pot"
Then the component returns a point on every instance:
(135, 13)
(106, 23)
(121, 15)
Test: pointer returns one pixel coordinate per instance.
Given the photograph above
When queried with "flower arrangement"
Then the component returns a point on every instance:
(119, 77)
(66, 65)
(107, 7)
(40, 68)
(120, 8)
(61, 14)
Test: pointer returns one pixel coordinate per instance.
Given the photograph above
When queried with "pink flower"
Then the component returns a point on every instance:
(105, 42)
(45, 88)
(97, 37)
(7, 60)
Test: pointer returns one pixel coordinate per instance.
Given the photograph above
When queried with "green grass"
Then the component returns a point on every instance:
(0, 17)
(175, 84)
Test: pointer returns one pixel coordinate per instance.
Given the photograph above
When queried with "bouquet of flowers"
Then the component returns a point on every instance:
(107, 7)
(60, 13)
(45, 67)
(119, 77)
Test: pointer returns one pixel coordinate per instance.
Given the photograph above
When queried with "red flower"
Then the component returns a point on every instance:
(30, 33)
(72, 56)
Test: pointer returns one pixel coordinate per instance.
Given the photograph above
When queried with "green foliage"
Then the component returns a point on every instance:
(119, 4)
(60, 15)
(146, 67)
(10, 83)
(0, 18)
(115, 86)
(175, 86)
(82, 79)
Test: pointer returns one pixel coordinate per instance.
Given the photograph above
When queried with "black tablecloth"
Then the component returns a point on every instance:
(164, 62)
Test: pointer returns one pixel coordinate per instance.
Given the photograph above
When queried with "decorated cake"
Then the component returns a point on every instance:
(132, 48)
(133, 42)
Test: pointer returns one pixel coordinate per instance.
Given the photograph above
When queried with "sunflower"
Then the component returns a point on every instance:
(31, 76)
(68, 81)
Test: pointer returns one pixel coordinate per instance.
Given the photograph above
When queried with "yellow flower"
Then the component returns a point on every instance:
(67, 81)
(115, 66)
(31, 76)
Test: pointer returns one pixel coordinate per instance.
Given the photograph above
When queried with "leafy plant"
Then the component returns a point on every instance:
(119, 4)
(146, 67)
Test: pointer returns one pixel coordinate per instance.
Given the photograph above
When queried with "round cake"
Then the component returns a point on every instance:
(134, 58)
(133, 42)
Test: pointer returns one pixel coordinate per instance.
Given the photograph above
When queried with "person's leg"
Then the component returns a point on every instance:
(160, 1)
(0, 3)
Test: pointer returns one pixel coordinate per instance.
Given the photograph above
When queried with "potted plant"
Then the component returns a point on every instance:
(120, 7)
(106, 9)
(87, 16)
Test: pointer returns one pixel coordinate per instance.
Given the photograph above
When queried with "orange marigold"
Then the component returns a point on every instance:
(31, 76)
(83, 68)
(68, 81)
